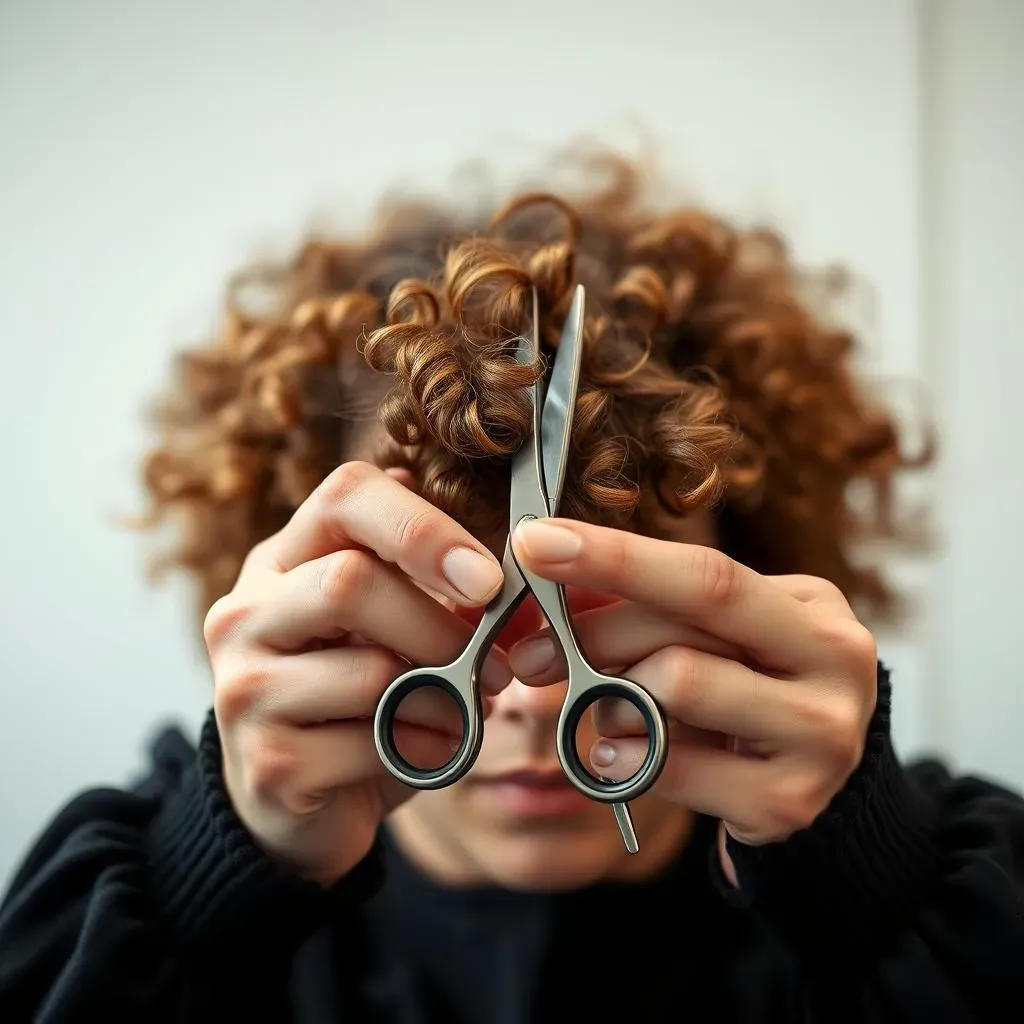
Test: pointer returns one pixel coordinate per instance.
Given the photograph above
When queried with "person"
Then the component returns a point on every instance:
(336, 464)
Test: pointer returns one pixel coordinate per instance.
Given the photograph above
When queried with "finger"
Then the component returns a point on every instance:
(353, 591)
(338, 684)
(717, 695)
(814, 591)
(695, 584)
(612, 723)
(361, 505)
(617, 634)
(403, 476)
(704, 779)
(304, 766)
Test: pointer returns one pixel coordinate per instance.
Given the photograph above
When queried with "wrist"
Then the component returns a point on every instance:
(861, 866)
(217, 889)
(319, 845)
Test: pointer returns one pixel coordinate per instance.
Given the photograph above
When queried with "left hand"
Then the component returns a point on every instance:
(768, 682)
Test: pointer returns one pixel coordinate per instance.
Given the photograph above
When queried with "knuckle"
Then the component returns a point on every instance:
(802, 579)
(306, 803)
(415, 529)
(850, 642)
(817, 585)
(720, 576)
(795, 802)
(816, 714)
(340, 484)
(236, 693)
(827, 590)
(843, 736)
(346, 577)
(222, 620)
(373, 670)
(683, 675)
(620, 555)
(835, 727)
(270, 768)
(258, 554)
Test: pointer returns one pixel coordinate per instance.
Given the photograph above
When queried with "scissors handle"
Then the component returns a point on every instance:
(586, 687)
(466, 698)
(461, 681)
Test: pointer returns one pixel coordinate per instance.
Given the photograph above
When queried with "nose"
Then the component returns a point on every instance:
(533, 711)
(541, 704)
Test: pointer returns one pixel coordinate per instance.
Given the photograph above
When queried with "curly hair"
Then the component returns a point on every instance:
(707, 382)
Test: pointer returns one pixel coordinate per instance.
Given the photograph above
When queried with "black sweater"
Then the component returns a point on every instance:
(904, 902)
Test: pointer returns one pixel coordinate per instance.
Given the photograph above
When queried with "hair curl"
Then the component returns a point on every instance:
(707, 382)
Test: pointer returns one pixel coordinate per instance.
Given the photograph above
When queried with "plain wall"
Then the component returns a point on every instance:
(973, 223)
(147, 150)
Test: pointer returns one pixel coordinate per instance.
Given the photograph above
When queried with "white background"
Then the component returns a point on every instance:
(148, 149)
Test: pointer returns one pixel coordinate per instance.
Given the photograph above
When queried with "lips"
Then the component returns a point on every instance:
(534, 794)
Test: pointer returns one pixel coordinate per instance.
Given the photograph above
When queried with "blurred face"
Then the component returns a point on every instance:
(514, 820)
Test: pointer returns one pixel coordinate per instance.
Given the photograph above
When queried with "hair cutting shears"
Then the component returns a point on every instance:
(538, 476)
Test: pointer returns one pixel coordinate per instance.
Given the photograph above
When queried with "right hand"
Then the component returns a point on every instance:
(324, 615)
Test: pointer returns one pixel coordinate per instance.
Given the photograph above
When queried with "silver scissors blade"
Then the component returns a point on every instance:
(560, 402)
(528, 495)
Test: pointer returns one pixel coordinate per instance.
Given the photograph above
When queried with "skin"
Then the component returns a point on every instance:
(768, 682)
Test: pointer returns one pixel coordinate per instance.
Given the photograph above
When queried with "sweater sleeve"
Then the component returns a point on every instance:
(153, 903)
(905, 899)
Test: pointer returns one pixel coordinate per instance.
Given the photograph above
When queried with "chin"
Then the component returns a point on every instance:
(471, 842)
(555, 860)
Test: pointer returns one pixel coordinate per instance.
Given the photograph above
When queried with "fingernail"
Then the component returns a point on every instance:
(549, 543)
(495, 675)
(603, 754)
(531, 657)
(473, 575)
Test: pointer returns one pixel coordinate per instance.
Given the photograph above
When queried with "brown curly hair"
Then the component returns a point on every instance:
(707, 382)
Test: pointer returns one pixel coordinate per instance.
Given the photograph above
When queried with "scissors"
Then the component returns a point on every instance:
(538, 475)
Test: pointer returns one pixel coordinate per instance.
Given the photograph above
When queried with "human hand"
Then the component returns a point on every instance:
(324, 615)
(768, 682)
